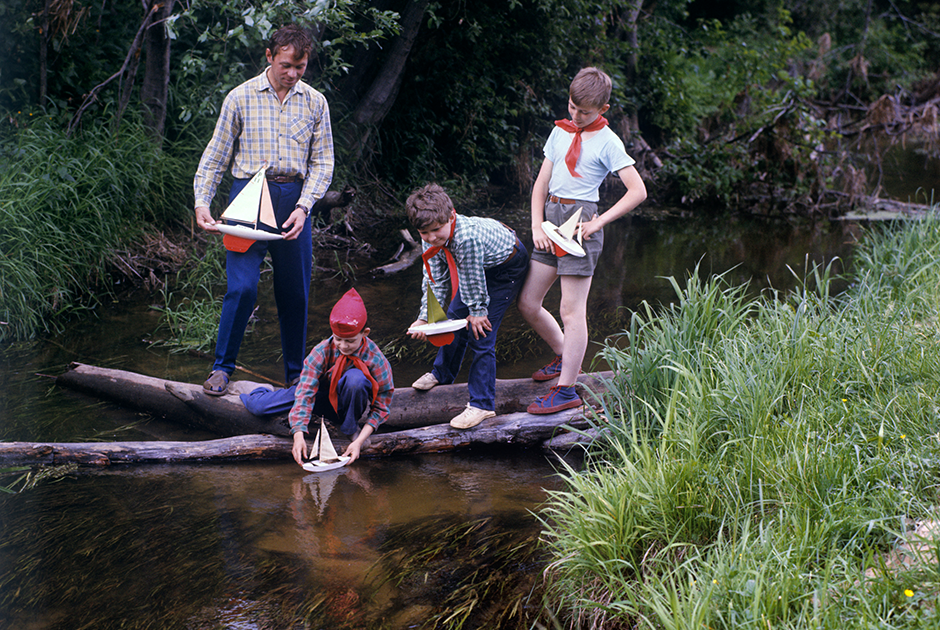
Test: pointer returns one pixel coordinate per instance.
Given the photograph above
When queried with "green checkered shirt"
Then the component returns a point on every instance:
(478, 244)
(293, 137)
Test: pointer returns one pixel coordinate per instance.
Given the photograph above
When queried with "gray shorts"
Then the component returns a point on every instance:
(569, 265)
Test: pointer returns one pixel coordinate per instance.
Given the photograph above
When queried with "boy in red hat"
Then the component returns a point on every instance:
(343, 376)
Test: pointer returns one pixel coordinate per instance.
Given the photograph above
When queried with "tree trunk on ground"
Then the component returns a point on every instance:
(156, 85)
(186, 403)
(519, 429)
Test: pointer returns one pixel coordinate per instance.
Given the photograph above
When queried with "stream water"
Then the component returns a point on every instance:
(387, 543)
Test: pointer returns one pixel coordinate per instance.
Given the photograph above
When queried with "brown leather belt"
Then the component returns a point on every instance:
(515, 248)
(284, 179)
(561, 200)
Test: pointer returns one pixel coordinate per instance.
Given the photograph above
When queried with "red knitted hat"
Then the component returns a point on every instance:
(348, 317)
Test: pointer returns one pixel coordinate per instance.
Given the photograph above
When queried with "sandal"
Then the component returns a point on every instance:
(216, 384)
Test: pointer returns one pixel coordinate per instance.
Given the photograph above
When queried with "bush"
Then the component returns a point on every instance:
(66, 205)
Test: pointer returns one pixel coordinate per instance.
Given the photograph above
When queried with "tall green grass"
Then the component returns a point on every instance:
(759, 455)
(192, 307)
(66, 205)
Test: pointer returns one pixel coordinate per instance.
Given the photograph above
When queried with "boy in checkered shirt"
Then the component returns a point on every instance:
(479, 264)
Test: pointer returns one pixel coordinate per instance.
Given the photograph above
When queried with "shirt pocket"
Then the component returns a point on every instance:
(301, 130)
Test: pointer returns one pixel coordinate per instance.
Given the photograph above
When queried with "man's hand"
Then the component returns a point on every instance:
(479, 326)
(204, 219)
(299, 451)
(294, 224)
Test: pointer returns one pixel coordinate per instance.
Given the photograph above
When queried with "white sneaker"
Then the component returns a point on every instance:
(471, 417)
(426, 382)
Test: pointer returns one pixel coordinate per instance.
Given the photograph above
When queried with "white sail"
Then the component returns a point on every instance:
(253, 204)
(323, 455)
(266, 212)
(568, 228)
(326, 451)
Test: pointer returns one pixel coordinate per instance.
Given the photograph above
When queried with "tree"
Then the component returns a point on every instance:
(156, 84)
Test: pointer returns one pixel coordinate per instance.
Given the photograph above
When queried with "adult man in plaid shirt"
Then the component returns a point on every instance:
(274, 119)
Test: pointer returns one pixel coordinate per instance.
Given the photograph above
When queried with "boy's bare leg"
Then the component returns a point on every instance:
(574, 292)
(539, 280)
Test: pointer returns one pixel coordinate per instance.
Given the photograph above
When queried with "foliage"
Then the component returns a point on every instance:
(475, 122)
(223, 44)
(192, 308)
(66, 205)
(776, 156)
(763, 455)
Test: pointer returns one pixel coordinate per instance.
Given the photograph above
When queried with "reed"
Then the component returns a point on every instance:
(763, 455)
(193, 305)
(66, 206)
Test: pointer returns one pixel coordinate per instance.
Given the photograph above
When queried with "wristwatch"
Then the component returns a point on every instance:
(306, 210)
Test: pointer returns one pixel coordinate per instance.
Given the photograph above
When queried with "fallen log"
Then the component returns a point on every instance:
(187, 403)
(100, 454)
(520, 429)
(409, 252)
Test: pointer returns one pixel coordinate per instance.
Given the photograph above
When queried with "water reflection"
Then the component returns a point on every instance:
(253, 545)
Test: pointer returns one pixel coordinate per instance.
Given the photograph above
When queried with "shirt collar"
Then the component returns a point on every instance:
(264, 84)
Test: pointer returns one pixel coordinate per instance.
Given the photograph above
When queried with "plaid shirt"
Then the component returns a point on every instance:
(478, 244)
(293, 137)
(320, 360)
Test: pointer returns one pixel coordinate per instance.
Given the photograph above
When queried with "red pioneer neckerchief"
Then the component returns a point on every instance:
(339, 367)
(451, 262)
(574, 151)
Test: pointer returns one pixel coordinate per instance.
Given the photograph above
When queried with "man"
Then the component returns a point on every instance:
(274, 120)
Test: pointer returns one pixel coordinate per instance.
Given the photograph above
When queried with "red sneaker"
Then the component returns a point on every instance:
(548, 372)
(557, 399)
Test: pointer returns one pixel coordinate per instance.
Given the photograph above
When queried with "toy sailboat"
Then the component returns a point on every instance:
(250, 209)
(439, 329)
(563, 236)
(322, 454)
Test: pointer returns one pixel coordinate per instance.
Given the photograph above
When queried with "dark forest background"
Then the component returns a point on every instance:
(773, 105)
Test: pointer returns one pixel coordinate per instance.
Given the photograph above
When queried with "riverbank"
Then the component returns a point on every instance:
(768, 454)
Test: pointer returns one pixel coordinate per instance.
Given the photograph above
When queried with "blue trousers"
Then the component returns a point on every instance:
(503, 284)
(353, 392)
(292, 262)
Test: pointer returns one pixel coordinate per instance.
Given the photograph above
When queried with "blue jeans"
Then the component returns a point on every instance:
(353, 393)
(503, 284)
(292, 262)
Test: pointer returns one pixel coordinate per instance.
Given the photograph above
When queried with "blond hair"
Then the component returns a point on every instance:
(590, 88)
(429, 205)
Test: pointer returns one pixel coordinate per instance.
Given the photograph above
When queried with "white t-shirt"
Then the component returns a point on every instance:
(600, 154)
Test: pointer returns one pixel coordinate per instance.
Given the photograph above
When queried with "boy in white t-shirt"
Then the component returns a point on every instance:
(579, 154)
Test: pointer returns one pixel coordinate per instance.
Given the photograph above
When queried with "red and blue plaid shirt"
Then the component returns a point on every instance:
(320, 360)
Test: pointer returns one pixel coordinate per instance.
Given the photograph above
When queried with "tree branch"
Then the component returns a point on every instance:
(135, 47)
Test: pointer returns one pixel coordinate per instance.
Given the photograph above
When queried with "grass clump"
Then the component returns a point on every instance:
(66, 206)
(192, 307)
(763, 456)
